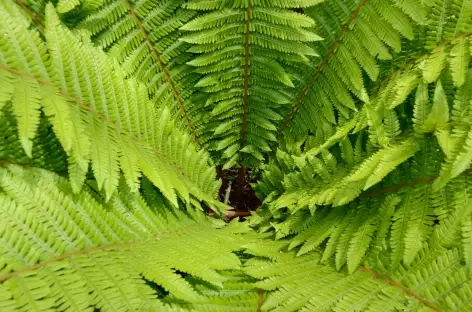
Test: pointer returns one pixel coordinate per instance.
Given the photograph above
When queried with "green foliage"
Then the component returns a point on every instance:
(241, 48)
(357, 113)
(303, 284)
(358, 34)
(144, 37)
(98, 115)
(78, 252)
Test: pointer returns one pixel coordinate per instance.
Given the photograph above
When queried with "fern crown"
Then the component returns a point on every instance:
(129, 128)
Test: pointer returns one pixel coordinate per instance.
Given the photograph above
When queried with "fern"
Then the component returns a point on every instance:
(144, 37)
(241, 48)
(350, 119)
(109, 122)
(298, 286)
(78, 251)
(357, 34)
(336, 166)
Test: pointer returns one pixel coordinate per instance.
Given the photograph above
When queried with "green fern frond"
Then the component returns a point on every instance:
(144, 37)
(401, 223)
(62, 250)
(98, 115)
(318, 186)
(303, 284)
(455, 138)
(357, 34)
(248, 87)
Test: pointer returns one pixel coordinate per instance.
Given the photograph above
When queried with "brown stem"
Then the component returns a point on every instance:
(240, 185)
(261, 300)
(164, 71)
(233, 214)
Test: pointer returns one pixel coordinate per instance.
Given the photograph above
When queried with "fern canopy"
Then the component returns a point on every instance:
(67, 251)
(241, 49)
(351, 119)
(100, 117)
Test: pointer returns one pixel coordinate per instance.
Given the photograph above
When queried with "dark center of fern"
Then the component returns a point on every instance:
(241, 195)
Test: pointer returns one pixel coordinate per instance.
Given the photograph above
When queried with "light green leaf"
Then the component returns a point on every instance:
(459, 61)
(439, 115)
(64, 6)
(360, 242)
(422, 107)
(434, 64)
(26, 105)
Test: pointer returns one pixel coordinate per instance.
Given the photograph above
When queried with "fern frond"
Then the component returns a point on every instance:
(399, 225)
(65, 250)
(144, 37)
(338, 291)
(242, 48)
(340, 186)
(457, 138)
(360, 242)
(357, 34)
(303, 284)
(98, 115)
